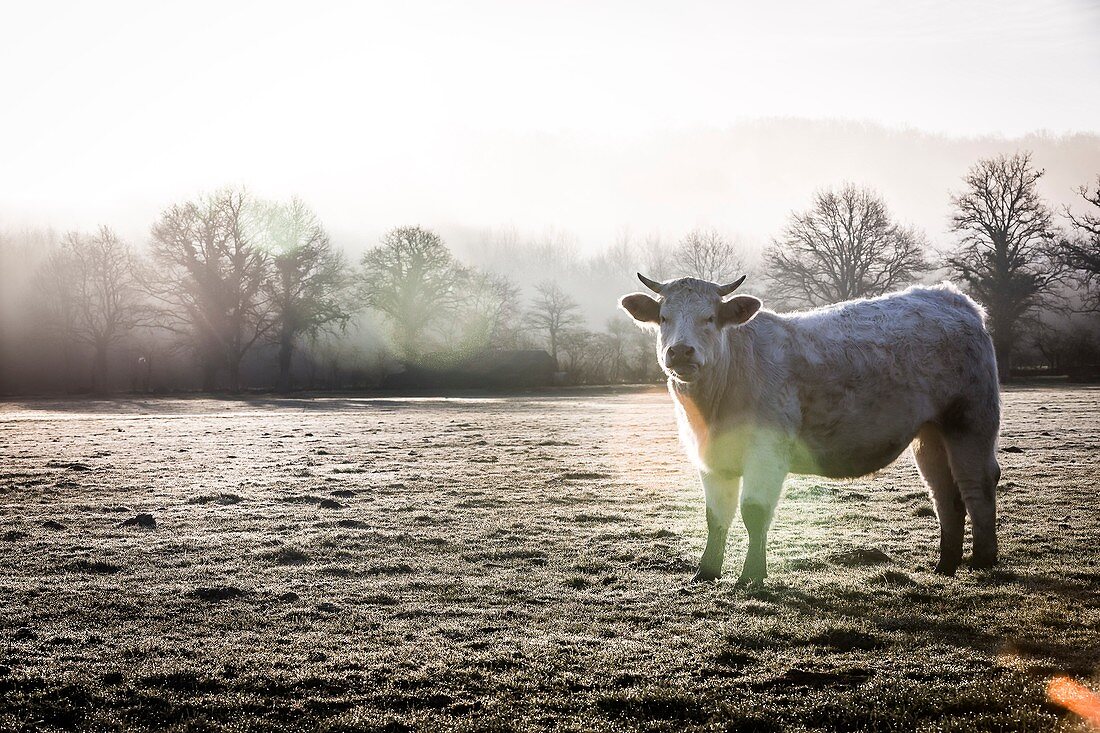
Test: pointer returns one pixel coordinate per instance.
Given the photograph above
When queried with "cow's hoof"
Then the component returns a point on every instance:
(982, 562)
(946, 568)
(705, 576)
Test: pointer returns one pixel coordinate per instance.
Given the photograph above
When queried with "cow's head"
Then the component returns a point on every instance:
(689, 316)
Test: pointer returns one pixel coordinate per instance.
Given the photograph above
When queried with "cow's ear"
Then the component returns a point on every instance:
(641, 307)
(737, 310)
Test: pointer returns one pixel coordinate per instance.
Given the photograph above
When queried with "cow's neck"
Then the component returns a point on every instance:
(724, 385)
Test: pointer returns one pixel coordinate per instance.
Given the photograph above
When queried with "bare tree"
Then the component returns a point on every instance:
(205, 280)
(617, 263)
(605, 357)
(55, 306)
(552, 312)
(626, 256)
(308, 284)
(489, 311)
(620, 337)
(556, 248)
(708, 255)
(90, 295)
(592, 358)
(575, 345)
(1063, 345)
(1081, 251)
(637, 346)
(412, 278)
(657, 256)
(1007, 254)
(845, 246)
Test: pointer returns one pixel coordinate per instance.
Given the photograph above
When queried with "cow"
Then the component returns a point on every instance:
(838, 392)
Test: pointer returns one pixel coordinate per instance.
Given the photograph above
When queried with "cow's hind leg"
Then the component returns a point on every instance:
(931, 456)
(973, 459)
(721, 494)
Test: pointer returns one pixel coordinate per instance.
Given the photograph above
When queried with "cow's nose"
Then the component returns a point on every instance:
(679, 352)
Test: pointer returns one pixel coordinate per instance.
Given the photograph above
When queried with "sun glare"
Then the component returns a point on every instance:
(1076, 698)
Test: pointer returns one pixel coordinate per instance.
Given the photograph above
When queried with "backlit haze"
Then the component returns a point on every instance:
(587, 119)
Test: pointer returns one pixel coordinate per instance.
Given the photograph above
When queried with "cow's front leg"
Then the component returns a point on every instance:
(764, 475)
(721, 495)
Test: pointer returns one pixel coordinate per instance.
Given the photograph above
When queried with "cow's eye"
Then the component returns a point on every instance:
(663, 319)
(710, 320)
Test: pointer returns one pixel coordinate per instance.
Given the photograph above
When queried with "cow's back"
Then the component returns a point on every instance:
(868, 373)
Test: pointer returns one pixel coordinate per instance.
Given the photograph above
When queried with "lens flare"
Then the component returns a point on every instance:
(1076, 698)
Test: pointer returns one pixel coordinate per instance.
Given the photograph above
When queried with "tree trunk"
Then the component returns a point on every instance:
(209, 375)
(1002, 347)
(147, 375)
(99, 374)
(235, 376)
(67, 359)
(286, 352)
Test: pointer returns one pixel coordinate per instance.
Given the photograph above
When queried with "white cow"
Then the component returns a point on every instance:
(837, 392)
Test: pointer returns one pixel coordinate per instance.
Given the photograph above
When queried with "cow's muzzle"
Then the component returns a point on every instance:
(680, 362)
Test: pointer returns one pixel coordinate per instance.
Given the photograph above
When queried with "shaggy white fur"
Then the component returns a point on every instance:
(838, 392)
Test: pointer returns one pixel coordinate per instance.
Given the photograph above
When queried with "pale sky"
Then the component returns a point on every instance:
(382, 114)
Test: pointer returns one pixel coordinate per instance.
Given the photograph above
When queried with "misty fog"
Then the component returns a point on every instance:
(567, 210)
(561, 148)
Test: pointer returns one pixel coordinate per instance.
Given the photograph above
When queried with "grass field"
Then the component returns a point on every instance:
(515, 563)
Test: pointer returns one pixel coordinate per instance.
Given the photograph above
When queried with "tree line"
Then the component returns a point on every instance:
(228, 277)
(1010, 254)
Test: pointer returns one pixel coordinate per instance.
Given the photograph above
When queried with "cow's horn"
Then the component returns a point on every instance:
(728, 288)
(651, 284)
